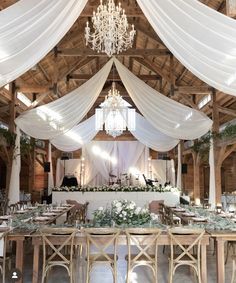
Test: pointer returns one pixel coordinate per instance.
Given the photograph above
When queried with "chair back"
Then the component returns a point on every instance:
(98, 242)
(169, 220)
(185, 249)
(155, 207)
(143, 239)
(57, 239)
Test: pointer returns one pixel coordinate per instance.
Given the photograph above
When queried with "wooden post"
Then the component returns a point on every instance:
(32, 156)
(218, 152)
(196, 182)
(231, 8)
(12, 90)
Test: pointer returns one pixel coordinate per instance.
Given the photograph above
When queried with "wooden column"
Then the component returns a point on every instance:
(32, 157)
(218, 152)
(196, 182)
(231, 8)
(12, 128)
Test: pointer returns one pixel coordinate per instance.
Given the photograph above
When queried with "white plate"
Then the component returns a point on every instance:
(188, 214)
(199, 219)
(21, 211)
(179, 209)
(41, 218)
(3, 217)
(49, 214)
(56, 210)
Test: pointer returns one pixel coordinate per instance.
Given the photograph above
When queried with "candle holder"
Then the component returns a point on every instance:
(218, 208)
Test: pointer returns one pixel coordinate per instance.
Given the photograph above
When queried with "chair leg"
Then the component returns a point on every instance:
(88, 273)
(233, 272)
(170, 272)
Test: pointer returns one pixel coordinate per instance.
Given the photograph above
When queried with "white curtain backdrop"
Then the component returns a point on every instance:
(212, 185)
(50, 174)
(71, 167)
(168, 116)
(132, 163)
(77, 136)
(151, 137)
(163, 171)
(122, 159)
(29, 29)
(14, 187)
(202, 39)
(179, 172)
(57, 117)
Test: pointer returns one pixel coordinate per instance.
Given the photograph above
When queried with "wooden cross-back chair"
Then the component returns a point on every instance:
(4, 258)
(57, 257)
(145, 240)
(186, 255)
(99, 240)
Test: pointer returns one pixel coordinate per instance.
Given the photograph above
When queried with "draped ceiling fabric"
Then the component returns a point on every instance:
(152, 137)
(202, 39)
(77, 136)
(85, 132)
(57, 117)
(29, 29)
(168, 116)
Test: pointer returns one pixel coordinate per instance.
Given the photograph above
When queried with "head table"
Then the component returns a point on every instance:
(98, 199)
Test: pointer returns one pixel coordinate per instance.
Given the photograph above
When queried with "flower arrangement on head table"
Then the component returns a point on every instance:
(123, 212)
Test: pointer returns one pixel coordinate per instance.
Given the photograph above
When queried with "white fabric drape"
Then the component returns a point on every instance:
(212, 185)
(29, 29)
(57, 117)
(168, 116)
(113, 158)
(163, 171)
(179, 172)
(50, 174)
(14, 186)
(85, 132)
(77, 136)
(151, 137)
(202, 39)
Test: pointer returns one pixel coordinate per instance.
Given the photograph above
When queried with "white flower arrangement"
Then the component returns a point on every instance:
(123, 212)
(118, 188)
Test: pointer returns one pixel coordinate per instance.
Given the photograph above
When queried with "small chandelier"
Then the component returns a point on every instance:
(112, 33)
(115, 114)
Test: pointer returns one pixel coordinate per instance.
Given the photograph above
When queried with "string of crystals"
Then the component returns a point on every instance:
(115, 113)
(112, 33)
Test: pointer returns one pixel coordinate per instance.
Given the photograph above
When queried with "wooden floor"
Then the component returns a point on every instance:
(140, 275)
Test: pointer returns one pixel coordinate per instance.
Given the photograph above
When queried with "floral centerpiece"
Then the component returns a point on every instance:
(123, 212)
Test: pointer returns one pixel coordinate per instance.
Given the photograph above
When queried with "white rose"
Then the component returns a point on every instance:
(137, 210)
(124, 213)
(100, 208)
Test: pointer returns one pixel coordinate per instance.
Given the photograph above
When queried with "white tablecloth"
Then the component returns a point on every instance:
(97, 199)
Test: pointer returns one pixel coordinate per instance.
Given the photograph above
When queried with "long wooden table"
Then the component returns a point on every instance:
(80, 239)
(19, 237)
(221, 237)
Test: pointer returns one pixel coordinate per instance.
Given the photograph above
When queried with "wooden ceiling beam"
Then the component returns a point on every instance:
(152, 67)
(194, 89)
(129, 53)
(83, 77)
(227, 111)
(34, 88)
(149, 33)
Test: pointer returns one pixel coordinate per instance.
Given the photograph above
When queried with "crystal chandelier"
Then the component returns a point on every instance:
(115, 114)
(112, 33)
